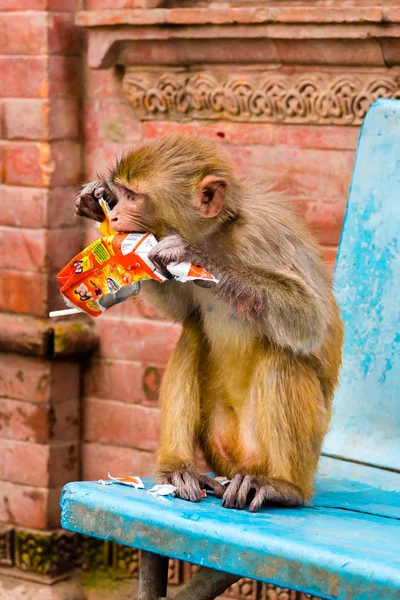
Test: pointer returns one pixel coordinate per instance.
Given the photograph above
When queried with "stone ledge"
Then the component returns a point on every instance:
(57, 338)
(275, 35)
(241, 15)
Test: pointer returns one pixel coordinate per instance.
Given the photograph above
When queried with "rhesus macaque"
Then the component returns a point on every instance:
(252, 377)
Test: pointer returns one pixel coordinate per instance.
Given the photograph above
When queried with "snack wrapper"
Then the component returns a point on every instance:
(129, 480)
(109, 271)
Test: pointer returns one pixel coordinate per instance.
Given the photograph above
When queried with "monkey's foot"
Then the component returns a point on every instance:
(190, 483)
(246, 490)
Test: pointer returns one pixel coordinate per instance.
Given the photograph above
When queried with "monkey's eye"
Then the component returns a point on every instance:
(112, 201)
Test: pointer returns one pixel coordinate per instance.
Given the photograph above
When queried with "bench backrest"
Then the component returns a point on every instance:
(366, 418)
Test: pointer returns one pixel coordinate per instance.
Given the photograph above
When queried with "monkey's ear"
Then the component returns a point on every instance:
(211, 196)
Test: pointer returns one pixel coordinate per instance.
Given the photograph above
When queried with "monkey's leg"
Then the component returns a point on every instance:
(281, 431)
(180, 411)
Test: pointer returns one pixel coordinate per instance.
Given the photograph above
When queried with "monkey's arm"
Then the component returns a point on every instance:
(278, 302)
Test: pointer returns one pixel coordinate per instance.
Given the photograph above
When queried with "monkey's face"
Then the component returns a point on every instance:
(131, 211)
(176, 184)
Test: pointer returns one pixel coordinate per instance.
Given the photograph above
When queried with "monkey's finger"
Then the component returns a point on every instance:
(210, 484)
(248, 483)
(177, 481)
(229, 497)
(192, 487)
(100, 192)
(259, 500)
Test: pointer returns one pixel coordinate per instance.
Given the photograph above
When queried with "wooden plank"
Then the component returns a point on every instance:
(321, 550)
(366, 417)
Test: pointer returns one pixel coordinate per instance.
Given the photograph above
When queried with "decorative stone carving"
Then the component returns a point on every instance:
(45, 553)
(271, 592)
(94, 554)
(244, 589)
(257, 97)
(6, 546)
(125, 560)
(174, 571)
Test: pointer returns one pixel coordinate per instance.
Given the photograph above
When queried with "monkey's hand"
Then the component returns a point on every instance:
(190, 483)
(87, 201)
(246, 490)
(172, 248)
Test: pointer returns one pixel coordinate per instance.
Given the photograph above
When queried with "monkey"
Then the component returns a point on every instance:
(252, 377)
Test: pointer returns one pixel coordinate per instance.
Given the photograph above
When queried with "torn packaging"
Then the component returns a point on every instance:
(109, 271)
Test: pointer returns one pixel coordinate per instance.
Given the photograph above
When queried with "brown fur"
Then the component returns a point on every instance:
(252, 377)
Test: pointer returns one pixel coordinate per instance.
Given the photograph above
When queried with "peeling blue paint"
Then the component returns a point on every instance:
(366, 415)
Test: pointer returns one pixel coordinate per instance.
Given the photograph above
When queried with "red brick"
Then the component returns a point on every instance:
(101, 156)
(143, 340)
(23, 505)
(115, 423)
(38, 464)
(25, 118)
(120, 380)
(65, 381)
(98, 4)
(37, 164)
(223, 131)
(111, 120)
(37, 208)
(64, 76)
(28, 164)
(64, 464)
(299, 171)
(24, 76)
(33, 119)
(38, 422)
(324, 218)
(61, 207)
(23, 249)
(24, 33)
(329, 254)
(65, 419)
(23, 207)
(24, 462)
(63, 119)
(23, 292)
(24, 421)
(67, 169)
(38, 380)
(100, 459)
(103, 83)
(64, 37)
(317, 136)
(2, 161)
(63, 244)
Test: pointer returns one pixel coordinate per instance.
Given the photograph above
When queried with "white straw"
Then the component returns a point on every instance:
(64, 312)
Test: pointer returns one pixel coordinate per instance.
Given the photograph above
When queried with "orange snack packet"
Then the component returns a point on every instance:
(109, 271)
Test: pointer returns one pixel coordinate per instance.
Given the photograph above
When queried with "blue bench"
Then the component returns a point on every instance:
(347, 544)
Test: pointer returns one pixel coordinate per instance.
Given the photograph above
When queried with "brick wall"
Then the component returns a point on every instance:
(313, 163)
(41, 167)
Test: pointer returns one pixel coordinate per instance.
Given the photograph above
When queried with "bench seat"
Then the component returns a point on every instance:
(346, 545)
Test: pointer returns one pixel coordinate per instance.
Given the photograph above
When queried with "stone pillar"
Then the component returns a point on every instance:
(39, 372)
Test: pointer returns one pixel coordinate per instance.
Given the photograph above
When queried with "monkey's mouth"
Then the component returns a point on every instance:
(131, 229)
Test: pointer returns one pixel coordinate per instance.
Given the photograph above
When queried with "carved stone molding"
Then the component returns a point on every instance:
(45, 553)
(6, 546)
(257, 97)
